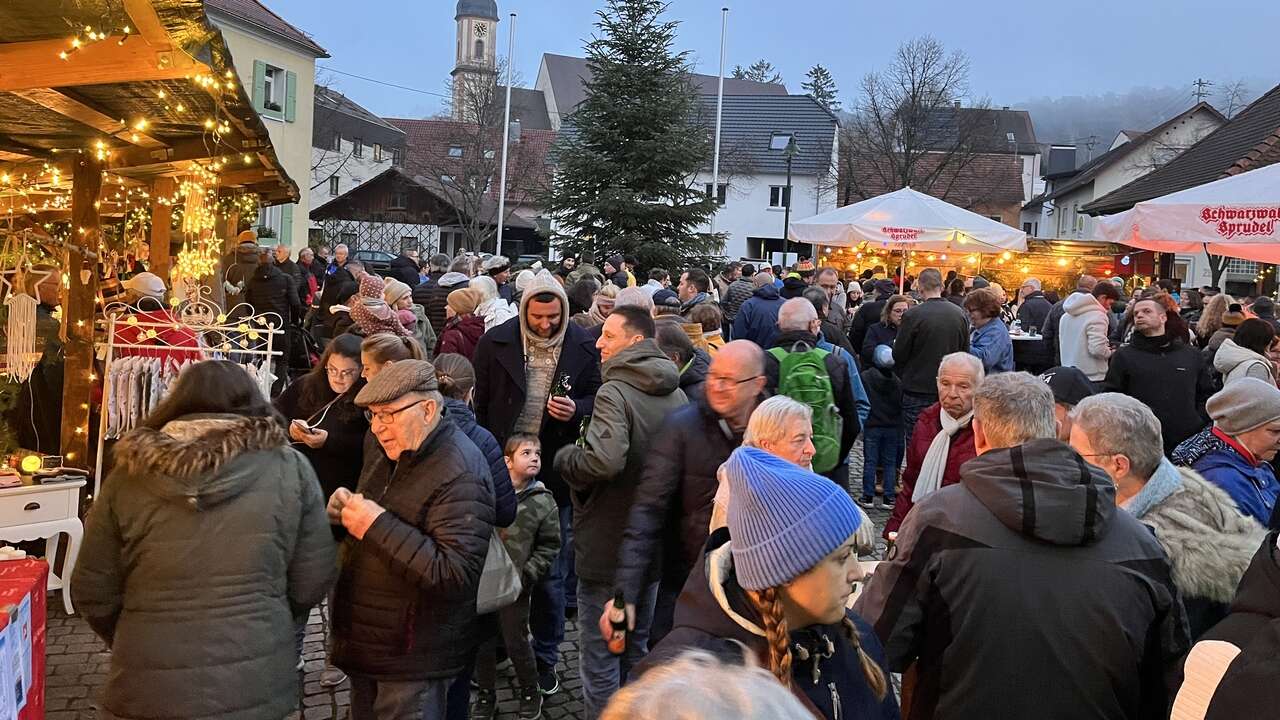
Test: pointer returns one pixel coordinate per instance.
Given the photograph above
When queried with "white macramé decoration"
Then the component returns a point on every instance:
(22, 355)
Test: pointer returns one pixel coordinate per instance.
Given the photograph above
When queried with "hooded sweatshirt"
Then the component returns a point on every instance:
(207, 540)
(1235, 362)
(641, 385)
(1026, 570)
(541, 355)
(1082, 335)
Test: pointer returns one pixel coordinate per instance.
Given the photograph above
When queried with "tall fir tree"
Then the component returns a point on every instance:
(627, 163)
(820, 86)
(760, 71)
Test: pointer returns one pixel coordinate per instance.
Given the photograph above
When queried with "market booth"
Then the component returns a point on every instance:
(124, 133)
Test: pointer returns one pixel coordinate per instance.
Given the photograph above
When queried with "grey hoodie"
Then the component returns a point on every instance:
(1235, 362)
(1025, 570)
(641, 385)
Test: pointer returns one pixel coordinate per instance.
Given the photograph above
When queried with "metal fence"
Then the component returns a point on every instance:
(389, 237)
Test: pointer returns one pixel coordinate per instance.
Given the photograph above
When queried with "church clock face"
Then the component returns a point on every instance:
(481, 30)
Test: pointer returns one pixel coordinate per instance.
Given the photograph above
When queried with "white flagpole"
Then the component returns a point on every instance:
(506, 135)
(715, 161)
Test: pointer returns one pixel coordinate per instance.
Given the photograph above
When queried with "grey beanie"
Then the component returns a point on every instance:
(397, 380)
(1243, 405)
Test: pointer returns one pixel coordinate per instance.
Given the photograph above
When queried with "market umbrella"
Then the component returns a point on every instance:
(1237, 216)
(908, 220)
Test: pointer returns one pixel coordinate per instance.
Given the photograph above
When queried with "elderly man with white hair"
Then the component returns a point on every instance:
(1208, 541)
(943, 438)
(794, 364)
(1024, 571)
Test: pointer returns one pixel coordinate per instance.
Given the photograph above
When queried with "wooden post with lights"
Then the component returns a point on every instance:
(78, 309)
(161, 223)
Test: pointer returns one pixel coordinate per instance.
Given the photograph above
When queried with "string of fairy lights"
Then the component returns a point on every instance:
(865, 256)
(198, 210)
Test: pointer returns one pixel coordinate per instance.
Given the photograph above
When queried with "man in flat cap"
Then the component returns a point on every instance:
(404, 620)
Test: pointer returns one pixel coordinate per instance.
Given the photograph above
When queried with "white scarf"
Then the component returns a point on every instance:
(934, 464)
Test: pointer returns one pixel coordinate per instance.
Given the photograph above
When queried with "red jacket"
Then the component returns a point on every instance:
(962, 450)
(461, 335)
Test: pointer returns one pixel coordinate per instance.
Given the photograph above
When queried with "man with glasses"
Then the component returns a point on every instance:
(404, 621)
(672, 508)
(829, 280)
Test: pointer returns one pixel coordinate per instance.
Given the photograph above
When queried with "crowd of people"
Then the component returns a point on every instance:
(477, 456)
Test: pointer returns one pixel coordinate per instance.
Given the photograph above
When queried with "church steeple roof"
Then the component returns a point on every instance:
(487, 9)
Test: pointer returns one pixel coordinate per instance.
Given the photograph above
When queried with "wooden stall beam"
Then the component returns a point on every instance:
(147, 22)
(161, 219)
(35, 64)
(84, 113)
(78, 309)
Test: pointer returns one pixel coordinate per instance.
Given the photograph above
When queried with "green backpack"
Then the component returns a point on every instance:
(802, 376)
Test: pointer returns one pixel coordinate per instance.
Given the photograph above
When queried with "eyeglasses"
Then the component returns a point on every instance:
(724, 381)
(386, 417)
(342, 374)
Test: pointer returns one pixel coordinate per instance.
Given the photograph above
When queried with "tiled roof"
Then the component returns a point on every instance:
(567, 73)
(528, 106)
(1245, 142)
(428, 141)
(255, 13)
(336, 207)
(991, 127)
(332, 99)
(750, 121)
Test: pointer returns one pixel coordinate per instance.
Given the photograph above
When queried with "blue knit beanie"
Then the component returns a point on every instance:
(783, 519)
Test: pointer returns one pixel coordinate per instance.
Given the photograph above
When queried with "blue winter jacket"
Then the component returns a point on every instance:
(504, 496)
(991, 344)
(757, 319)
(1254, 488)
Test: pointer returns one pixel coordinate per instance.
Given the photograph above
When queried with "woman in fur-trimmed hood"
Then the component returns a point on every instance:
(208, 540)
(1208, 541)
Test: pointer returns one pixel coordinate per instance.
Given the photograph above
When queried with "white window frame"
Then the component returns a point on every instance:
(721, 196)
(456, 151)
(399, 200)
(779, 194)
(273, 81)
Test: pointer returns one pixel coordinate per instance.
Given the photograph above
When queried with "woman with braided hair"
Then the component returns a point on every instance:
(776, 584)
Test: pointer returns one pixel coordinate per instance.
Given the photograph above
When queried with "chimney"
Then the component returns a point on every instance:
(957, 104)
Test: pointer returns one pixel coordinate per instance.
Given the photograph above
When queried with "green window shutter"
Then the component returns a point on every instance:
(286, 225)
(290, 96)
(259, 84)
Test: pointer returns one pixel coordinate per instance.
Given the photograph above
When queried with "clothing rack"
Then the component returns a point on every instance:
(195, 329)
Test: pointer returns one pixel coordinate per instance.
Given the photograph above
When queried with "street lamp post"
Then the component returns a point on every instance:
(789, 153)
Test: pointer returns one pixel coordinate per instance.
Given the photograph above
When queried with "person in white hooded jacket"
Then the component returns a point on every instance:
(493, 308)
(1244, 354)
(1082, 331)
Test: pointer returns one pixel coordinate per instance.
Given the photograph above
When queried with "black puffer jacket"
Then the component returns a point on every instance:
(504, 496)
(338, 462)
(208, 539)
(404, 269)
(672, 508)
(271, 291)
(299, 275)
(335, 276)
(1033, 311)
(693, 380)
(1168, 376)
(1030, 532)
(434, 297)
(405, 604)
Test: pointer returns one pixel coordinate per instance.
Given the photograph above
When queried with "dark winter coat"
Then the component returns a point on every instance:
(335, 276)
(734, 296)
(1033, 311)
(504, 496)
(271, 291)
(694, 378)
(1049, 328)
(671, 513)
(868, 314)
(461, 335)
(337, 463)
(885, 393)
(715, 615)
(405, 604)
(1024, 571)
(500, 390)
(640, 388)
(928, 331)
(1248, 689)
(404, 269)
(293, 270)
(431, 297)
(757, 319)
(1170, 377)
(876, 335)
(241, 266)
(208, 539)
(837, 371)
(962, 450)
(837, 337)
(533, 540)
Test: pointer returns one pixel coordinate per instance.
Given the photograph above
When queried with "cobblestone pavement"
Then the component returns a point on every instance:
(78, 661)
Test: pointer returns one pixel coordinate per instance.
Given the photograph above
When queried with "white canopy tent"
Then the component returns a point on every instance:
(1237, 216)
(908, 220)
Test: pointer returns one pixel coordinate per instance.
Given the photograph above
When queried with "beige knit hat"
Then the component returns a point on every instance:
(1244, 404)
(465, 301)
(395, 291)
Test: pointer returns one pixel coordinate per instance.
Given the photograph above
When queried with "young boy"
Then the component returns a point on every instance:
(882, 434)
(532, 541)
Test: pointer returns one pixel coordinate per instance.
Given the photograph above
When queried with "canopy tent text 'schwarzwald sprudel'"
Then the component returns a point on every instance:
(1237, 216)
(908, 220)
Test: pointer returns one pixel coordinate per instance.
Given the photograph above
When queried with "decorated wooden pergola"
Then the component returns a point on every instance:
(121, 113)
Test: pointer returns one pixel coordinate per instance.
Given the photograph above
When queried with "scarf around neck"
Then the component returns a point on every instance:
(934, 465)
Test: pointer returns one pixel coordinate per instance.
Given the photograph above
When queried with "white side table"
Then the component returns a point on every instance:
(33, 512)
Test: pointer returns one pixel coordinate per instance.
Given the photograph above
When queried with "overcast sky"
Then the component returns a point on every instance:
(1019, 50)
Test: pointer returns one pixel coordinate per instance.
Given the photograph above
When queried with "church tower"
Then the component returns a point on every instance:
(476, 53)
